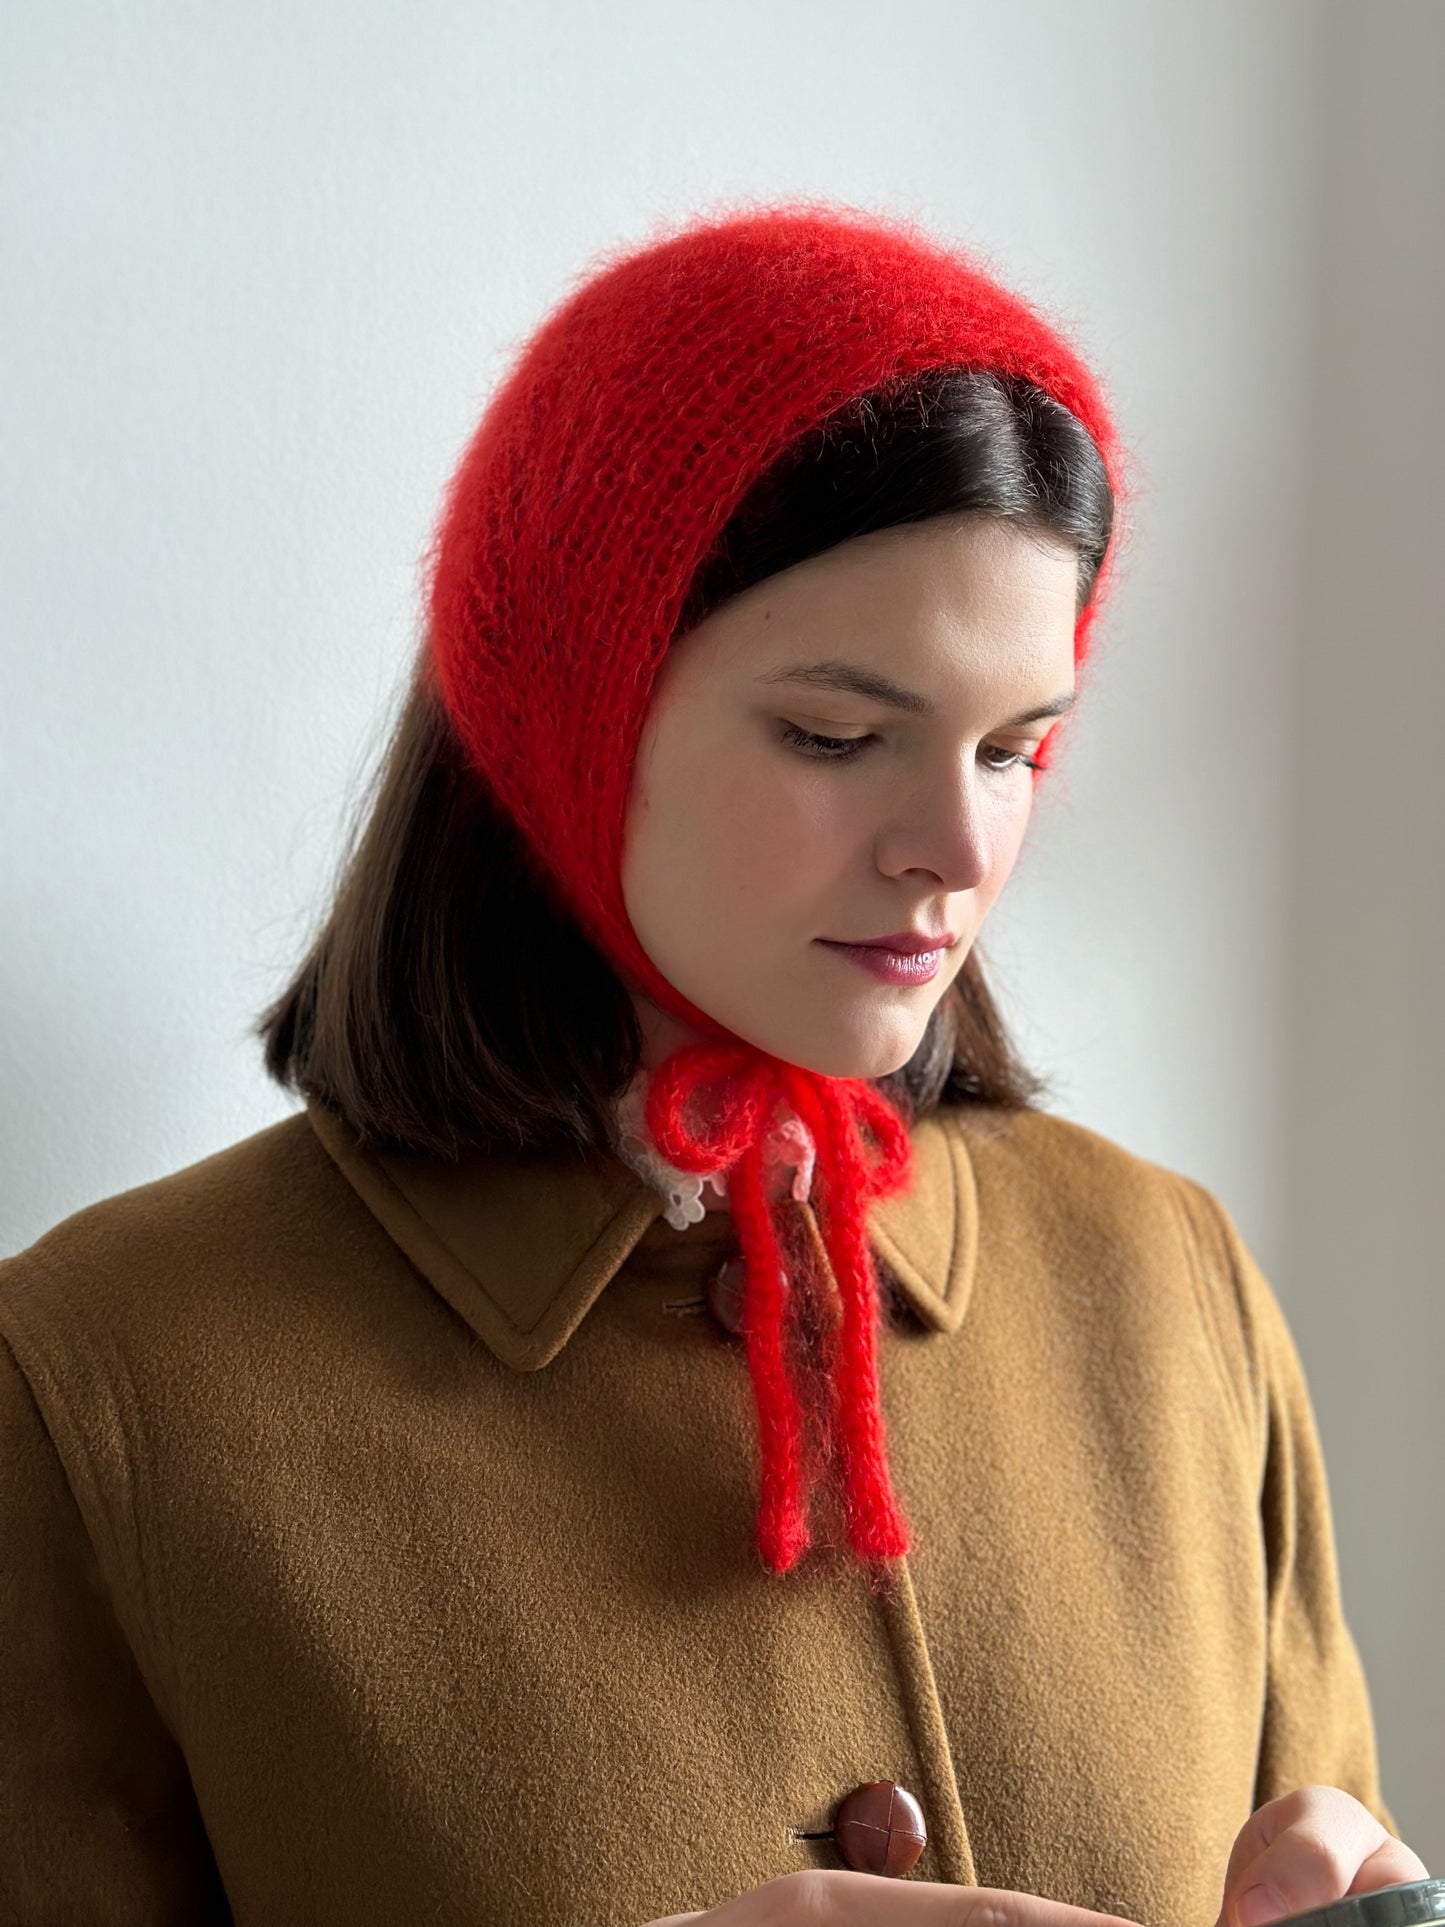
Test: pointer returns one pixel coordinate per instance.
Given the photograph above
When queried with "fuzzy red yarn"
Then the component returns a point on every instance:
(750, 1084)
(633, 421)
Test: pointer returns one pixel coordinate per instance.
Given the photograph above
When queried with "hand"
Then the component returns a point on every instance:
(1305, 1850)
(826, 1898)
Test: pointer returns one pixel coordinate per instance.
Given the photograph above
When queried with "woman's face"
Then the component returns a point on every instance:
(753, 850)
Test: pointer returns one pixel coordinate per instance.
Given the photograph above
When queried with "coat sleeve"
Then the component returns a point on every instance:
(1317, 1727)
(97, 1817)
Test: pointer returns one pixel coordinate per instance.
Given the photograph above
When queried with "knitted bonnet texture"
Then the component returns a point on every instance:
(630, 425)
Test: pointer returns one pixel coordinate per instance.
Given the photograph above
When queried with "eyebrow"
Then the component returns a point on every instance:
(854, 681)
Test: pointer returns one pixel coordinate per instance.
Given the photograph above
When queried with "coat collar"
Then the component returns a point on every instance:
(521, 1245)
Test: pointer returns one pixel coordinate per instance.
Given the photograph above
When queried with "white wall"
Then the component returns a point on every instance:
(265, 261)
(1364, 1198)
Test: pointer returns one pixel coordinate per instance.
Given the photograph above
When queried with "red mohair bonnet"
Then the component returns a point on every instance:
(632, 423)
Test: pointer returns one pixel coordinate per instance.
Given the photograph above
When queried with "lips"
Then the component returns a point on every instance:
(907, 943)
(892, 966)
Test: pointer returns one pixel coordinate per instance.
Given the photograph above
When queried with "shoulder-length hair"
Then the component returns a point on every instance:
(450, 1003)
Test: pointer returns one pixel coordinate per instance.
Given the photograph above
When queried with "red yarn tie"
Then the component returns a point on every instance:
(750, 1086)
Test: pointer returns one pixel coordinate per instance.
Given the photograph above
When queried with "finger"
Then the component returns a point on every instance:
(829, 1898)
(1300, 1852)
(1387, 1866)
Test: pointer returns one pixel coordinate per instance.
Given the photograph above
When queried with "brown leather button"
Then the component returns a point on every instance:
(724, 1295)
(879, 1828)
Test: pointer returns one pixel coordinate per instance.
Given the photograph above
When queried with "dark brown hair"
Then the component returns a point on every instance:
(451, 1003)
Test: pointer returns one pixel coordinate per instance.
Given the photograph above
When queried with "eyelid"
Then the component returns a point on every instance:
(1033, 732)
(882, 715)
(816, 726)
(821, 722)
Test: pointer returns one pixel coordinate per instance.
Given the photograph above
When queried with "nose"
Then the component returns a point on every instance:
(949, 826)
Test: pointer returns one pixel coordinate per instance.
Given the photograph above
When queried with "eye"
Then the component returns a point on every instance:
(843, 749)
(828, 749)
(1013, 759)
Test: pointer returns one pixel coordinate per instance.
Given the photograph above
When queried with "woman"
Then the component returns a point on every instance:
(674, 1430)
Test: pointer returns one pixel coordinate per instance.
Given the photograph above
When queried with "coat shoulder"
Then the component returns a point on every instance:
(1075, 1205)
(1066, 1165)
(177, 1323)
(143, 1254)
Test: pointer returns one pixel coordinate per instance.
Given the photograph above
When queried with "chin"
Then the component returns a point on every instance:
(868, 1057)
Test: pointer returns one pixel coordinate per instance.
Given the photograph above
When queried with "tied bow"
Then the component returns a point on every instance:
(752, 1085)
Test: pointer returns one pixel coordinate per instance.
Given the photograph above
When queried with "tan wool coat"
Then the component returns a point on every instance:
(378, 1547)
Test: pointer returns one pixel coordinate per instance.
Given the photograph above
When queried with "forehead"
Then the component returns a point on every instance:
(971, 594)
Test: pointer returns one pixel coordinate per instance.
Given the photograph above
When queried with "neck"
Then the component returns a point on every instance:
(662, 1034)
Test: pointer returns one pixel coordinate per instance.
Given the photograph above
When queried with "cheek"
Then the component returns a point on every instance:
(756, 833)
(1009, 829)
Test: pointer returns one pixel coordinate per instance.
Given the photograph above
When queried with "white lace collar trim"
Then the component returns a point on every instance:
(789, 1144)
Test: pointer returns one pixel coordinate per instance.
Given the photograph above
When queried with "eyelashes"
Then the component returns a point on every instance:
(829, 749)
(844, 749)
